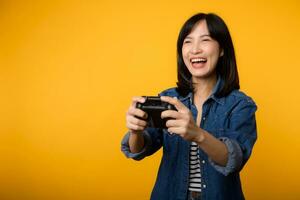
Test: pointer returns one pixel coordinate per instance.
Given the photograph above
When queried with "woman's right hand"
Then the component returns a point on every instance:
(136, 118)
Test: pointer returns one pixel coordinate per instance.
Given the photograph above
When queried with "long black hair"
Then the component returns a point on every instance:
(226, 67)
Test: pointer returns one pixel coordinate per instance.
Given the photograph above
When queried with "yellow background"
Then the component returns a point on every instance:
(68, 70)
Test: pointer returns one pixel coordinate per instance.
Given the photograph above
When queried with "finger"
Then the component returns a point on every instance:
(174, 101)
(135, 127)
(171, 114)
(134, 120)
(175, 130)
(175, 123)
(138, 99)
(137, 112)
(172, 123)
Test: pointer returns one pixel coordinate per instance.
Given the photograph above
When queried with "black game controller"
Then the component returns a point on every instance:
(153, 106)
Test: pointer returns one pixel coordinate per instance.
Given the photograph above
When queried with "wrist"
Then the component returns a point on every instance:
(200, 136)
(135, 132)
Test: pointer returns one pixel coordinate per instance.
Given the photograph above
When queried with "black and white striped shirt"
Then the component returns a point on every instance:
(195, 171)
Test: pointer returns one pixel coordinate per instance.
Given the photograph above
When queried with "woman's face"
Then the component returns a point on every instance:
(200, 52)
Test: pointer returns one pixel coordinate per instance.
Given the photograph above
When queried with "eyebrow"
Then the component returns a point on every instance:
(201, 36)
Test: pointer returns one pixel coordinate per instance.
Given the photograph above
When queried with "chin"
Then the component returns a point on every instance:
(204, 75)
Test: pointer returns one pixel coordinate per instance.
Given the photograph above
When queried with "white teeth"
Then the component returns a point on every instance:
(198, 60)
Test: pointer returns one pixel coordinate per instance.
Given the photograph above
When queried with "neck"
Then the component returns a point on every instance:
(203, 88)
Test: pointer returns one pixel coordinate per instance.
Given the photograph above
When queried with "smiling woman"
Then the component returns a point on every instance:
(200, 52)
(210, 135)
(206, 37)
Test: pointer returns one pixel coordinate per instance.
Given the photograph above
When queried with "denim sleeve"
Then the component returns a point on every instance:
(153, 142)
(235, 156)
(239, 137)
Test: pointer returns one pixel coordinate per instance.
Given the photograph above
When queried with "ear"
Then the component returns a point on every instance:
(222, 53)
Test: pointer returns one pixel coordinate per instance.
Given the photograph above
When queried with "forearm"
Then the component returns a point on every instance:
(213, 147)
(136, 142)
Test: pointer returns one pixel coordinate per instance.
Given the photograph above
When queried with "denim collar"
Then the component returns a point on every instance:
(213, 96)
(217, 87)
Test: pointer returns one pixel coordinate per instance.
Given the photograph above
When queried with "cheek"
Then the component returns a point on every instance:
(185, 55)
(184, 51)
(215, 49)
(214, 61)
(214, 54)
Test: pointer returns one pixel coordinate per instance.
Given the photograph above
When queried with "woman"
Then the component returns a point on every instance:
(210, 137)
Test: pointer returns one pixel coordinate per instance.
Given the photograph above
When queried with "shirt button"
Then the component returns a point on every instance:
(204, 186)
(203, 161)
(204, 118)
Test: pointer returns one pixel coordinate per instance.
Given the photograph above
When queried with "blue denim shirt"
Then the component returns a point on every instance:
(231, 119)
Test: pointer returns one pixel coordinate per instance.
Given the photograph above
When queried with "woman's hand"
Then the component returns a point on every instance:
(182, 122)
(136, 118)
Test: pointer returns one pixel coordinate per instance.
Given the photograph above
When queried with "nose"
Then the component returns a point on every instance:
(196, 48)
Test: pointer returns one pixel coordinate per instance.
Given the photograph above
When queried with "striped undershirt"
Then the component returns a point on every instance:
(195, 173)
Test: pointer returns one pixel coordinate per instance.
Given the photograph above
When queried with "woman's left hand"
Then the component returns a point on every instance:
(182, 121)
